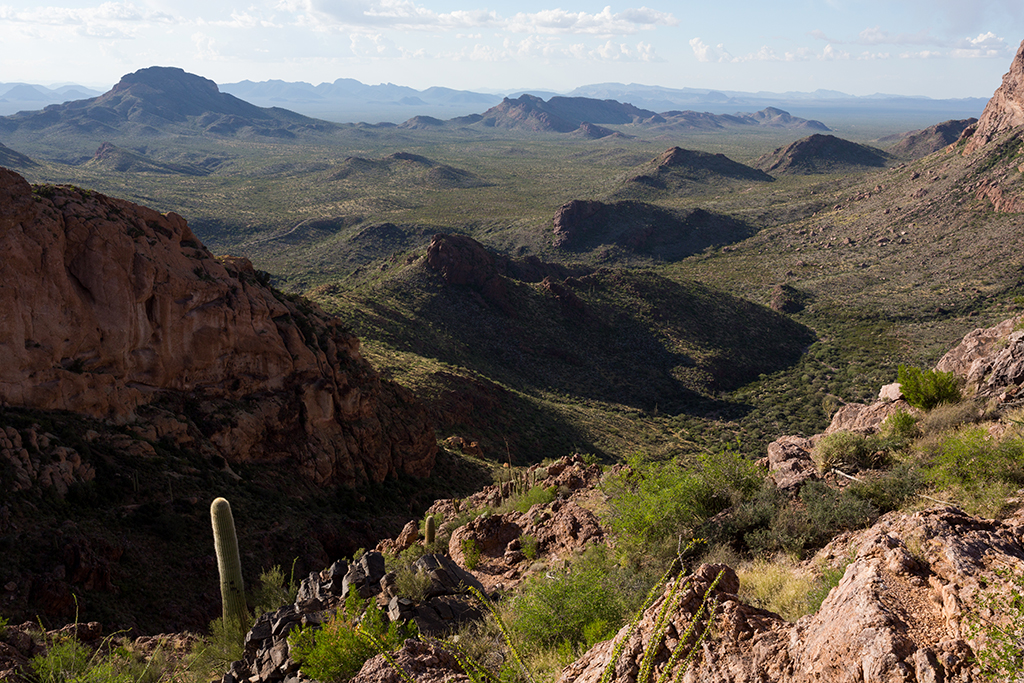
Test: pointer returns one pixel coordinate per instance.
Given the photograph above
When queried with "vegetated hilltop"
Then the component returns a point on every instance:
(403, 168)
(611, 339)
(821, 154)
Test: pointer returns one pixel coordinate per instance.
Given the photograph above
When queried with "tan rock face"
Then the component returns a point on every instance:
(104, 304)
(899, 614)
(990, 360)
(1006, 108)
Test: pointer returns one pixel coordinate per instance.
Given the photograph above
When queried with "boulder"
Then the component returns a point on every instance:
(990, 360)
(790, 463)
(866, 419)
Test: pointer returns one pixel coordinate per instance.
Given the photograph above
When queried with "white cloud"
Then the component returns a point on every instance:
(204, 46)
(405, 14)
(707, 53)
(831, 54)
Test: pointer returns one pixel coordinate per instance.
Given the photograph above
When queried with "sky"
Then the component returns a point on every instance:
(935, 48)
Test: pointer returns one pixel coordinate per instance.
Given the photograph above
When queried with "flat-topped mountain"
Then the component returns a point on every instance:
(160, 100)
(771, 117)
(821, 154)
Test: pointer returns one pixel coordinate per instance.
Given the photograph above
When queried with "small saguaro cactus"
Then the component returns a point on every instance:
(232, 590)
(430, 530)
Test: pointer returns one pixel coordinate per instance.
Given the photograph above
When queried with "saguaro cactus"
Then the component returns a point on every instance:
(430, 530)
(232, 589)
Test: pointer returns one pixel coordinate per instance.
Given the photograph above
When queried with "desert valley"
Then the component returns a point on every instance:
(566, 389)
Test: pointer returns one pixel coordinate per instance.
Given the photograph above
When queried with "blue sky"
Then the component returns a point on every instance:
(936, 48)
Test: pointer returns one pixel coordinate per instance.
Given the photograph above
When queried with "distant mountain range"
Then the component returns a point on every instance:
(349, 100)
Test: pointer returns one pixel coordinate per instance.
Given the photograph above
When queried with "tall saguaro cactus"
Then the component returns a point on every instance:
(232, 590)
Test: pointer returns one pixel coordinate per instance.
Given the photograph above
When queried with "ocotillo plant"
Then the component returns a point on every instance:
(232, 589)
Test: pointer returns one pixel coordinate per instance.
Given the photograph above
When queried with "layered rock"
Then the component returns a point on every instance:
(106, 305)
(1005, 110)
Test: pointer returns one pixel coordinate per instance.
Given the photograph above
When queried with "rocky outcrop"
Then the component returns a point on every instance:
(900, 612)
(463, 261)
(1002, 201)
(105, 306)
(866, 419)
(989, 360)
(1005, 110)
(570, 218)
(267, 654)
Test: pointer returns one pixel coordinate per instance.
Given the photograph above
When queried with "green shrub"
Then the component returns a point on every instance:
(579, 605)
(471, 551)
(529, 546)
(68, 660)
(538, 495)
(926, 389)
(889, 490)
(781, 586)
(847, 450)
(336, 651)
(832, 511)
(898, 431)
(412, 583)
(272, 591)
(652, 503)
(977, 470)
(771, 523)
(949, 416)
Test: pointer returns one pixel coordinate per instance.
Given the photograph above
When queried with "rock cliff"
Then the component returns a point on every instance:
(1006, 108)
(106, 306)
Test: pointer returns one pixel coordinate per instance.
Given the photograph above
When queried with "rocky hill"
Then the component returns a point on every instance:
(920, 143)
(679, 172)
(821, 154)
(910, 605)
(12, 159)
(119, 160)
(559, 114)
(643, 229)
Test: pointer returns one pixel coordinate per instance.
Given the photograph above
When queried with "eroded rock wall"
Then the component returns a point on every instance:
(105, 305)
